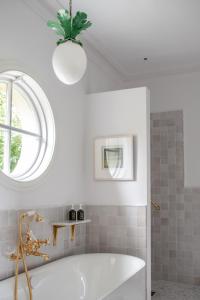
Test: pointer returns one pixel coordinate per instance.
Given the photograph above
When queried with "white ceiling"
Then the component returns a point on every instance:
(126, 31)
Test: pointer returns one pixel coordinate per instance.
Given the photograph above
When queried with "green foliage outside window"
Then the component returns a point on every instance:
(16, 140)
(15, 149)
(1, 150)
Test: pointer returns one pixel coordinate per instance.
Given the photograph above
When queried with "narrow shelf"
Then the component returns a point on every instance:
(69, 223)
(72, 224)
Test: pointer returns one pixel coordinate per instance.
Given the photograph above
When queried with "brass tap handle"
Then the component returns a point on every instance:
(44, 242)
(14, 257)
(45, 256)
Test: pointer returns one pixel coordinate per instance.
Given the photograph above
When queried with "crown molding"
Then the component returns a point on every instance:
(183, 70)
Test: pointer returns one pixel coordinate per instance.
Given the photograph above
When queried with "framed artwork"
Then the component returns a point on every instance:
(113, 158)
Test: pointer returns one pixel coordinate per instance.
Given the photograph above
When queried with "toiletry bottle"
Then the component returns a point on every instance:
(80, 213)
(72, 214)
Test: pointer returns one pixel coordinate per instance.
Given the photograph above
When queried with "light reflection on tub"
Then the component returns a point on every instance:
(84, 277)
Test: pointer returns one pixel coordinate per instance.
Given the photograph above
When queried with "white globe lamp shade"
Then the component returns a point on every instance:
(69, 62)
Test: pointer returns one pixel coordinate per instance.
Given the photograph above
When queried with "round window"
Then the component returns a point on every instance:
(27, 132)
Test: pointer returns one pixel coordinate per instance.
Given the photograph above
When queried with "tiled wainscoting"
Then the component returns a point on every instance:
(8, 237)
(189, 237)
(113, 229)
(167, 184)
(118, 229)
(176, 242)
(176, 228)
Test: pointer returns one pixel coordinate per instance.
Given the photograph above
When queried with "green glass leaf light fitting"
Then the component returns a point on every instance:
(69, 58)
(69, 27)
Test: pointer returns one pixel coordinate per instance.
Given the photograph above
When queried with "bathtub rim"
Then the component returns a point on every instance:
(71, 257)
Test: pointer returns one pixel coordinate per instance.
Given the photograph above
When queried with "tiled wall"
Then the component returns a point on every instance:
(176, 245)
(188, 244)
(8, 236)
(119, 229)
(167, 179)
(176, 228)
(113, 229)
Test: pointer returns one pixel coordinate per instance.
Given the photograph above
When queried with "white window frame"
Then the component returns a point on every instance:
(44, 117)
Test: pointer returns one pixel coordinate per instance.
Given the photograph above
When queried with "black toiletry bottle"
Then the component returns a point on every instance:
(80, 213)
(72, 214)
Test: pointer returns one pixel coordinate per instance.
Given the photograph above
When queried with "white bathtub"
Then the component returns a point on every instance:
(83, 277)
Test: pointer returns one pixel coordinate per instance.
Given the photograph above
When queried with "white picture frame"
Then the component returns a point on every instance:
(114, 158)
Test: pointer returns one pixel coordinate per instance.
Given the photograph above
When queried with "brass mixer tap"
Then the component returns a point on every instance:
(28, 245)
(31, 247)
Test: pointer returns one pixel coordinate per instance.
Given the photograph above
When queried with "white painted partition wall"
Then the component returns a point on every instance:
(119, 113)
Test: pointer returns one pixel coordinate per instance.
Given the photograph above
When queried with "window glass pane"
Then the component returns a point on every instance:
(2, 149)
(15, 150)
(23, 153)
(3, 101)
(23, 112)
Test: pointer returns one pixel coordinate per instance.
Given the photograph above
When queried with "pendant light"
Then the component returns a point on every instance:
(69, 58)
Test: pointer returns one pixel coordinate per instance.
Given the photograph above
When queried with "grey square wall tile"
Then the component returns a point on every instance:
(9, 233)
(178, 223)
(124, 230)
(113, 229)
(3, 218)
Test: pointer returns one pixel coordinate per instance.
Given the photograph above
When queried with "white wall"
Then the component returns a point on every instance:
(101, 76)
(27, 43)
(180, 92)
(115, 113)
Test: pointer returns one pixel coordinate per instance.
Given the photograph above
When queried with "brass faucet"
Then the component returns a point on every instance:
(31, 247)
(28, 245)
